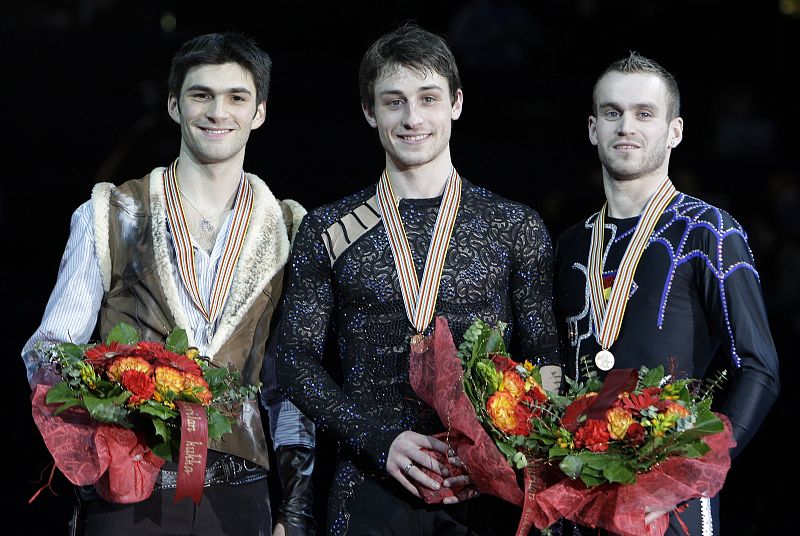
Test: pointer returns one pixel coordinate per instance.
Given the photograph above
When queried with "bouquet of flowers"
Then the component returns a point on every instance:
(116, 410)
(598, 455)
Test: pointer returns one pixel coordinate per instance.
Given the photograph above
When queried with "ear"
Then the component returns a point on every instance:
(369, 115)
(457, 105)
(261, 115)
(593, 129)
(174, 109)
(675, 133)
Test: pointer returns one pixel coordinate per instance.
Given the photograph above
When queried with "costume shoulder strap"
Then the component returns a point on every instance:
(346, 230)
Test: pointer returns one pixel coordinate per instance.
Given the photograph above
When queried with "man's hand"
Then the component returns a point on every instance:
(406, 457)
(551, 377)
(279, 530)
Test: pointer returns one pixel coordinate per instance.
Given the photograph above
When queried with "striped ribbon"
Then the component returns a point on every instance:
(419, 300)
(242, 209)
(608, 319)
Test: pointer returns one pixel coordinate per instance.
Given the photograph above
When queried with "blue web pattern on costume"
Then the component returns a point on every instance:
(699, 215)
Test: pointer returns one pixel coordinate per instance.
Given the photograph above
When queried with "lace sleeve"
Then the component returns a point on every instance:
(532, 291)
(308, 304)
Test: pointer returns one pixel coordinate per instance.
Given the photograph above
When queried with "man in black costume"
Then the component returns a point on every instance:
(355, 269)
(657, 276)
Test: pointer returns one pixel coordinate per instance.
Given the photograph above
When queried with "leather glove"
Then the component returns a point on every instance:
(295, 465)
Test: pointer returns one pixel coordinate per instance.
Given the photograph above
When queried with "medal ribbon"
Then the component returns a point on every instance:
(242, 209)
(608, 320)
(419, 300)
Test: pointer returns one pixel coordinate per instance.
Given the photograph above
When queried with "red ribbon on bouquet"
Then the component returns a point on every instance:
(193, 451)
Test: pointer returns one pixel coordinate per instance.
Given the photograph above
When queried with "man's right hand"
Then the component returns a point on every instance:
(406, 457)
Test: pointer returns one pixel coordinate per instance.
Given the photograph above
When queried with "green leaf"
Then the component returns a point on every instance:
(572, 466)
(177, 341)
(108, 409)
(123, 334)
(162, 430)
(218, 424)
(619, 472)
(159, 411)
(61, 393)
(163, 450)
(592, 480)
(695, 450)
(70, 353)
(652, 377)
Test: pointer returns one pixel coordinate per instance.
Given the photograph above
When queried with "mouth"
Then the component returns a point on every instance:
(416, 138)
(626, 146)
(216, 131)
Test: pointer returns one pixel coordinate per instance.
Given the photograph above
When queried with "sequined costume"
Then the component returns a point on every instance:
(342, 277)
(695, 289)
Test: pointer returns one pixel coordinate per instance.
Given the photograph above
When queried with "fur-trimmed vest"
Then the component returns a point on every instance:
(130, 229)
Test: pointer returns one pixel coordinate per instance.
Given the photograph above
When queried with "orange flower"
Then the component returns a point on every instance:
(121, 364)
(673, 408)
(196, 387)
(513, 384)
(508, 414)
(168, 379)
(619, 420)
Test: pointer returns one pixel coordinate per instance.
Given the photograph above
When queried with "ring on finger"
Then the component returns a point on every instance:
(408, 467)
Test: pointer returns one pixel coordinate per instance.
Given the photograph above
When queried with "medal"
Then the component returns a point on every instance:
(419, 342)
(419, 298)
(604, 360)
(607, 314)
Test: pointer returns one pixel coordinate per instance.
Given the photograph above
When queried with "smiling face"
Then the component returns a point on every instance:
(413, 115)
(631, 128)
(216, 110)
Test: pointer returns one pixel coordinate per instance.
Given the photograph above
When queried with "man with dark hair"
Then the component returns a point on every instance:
(356, 269)
(199, 245)
(677, 273)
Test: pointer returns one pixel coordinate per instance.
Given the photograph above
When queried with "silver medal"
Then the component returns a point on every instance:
(604, 360)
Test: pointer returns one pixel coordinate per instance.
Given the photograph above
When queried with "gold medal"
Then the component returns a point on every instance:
(604, 360)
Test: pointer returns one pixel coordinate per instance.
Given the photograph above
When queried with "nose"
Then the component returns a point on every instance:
(626, 124)
(412, 117)
(217, 111)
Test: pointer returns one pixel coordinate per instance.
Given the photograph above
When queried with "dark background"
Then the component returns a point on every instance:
(83, 99)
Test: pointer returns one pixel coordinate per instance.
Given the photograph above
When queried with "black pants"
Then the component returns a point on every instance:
(384, 508)
(225, 510)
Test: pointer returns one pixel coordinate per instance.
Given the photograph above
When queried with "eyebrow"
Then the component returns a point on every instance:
(420, 90)
(200, 87)
(651, 105)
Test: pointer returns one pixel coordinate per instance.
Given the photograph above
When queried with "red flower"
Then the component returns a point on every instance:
(576, 410)
(502, 363)
(634, 402)
(635, 434)
(101, 355)
(139, 384)
(593, 435)
(535, 399)
(180, 362)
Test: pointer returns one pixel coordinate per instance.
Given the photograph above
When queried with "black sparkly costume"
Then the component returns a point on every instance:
(695, 289)
(342, 276)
